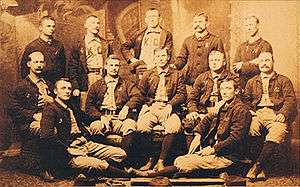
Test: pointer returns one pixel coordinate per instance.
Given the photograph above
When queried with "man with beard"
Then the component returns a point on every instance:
(163, 92)
(193, 56)
(274, 107)
(52, 49)
(245, 62)
(87, 59)
(144, 42)
(114, 101)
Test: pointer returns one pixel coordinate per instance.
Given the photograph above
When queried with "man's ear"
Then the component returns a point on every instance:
(207, 24)
(28, 64)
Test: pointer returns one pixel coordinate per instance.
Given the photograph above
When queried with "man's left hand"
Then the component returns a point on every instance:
(123, 113)
(167, 111)
(207, 151)
(237, 66)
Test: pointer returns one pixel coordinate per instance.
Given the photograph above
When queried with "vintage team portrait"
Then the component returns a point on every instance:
(149, 93)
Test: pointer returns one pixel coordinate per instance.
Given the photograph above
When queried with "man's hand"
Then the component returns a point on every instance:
(237, 66)
(37, 116)
(280, 118)
(207, 151)
(76, 93)
(145, 108)
(167, 111)
(192, 116)
(255, 61)
(195, 144)
(123, 113)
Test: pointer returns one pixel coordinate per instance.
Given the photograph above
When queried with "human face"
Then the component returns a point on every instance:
(152, 18)
(251, 26)
(63, 90)
(266, 63)
(161, 58)
(112, 67)
(227, 90)
(92, 25)
(199, 24)
(36, 63)
(47, 27)
(216, 61)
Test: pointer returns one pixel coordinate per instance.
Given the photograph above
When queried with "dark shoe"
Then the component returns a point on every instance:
(149, 165)
(47, 176)
(253, 172)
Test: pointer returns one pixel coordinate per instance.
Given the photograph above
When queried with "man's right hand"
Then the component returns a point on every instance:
(76, 92)
(192, 116)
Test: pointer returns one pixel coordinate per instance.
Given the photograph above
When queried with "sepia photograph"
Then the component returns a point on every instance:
(150, 93)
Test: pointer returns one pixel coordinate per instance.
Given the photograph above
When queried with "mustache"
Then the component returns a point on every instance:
(265, 66)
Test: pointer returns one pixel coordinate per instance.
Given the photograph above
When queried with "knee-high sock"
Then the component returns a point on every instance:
(188, 140)
(116, 172)
(266, 152)
(168, 171)
(255, 144)
(166, 146)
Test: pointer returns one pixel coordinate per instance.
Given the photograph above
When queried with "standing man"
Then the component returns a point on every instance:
(206, 89)
(144, 42)
(114, 100)
(163, 92)
(246, 58)
(193, 56)
(274, 107)
(70, 145)
(27, 100)
(219, 139)
(87, 59)
(52, 49)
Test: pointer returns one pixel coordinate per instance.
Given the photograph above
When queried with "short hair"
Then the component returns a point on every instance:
(112, 57)
(161, 49)
(65, 79)
(235, 83)
(203, 14)
(268, 52)
(29, 56)
(256, 18)
(151, 9)
(44, 18)
(216, 51)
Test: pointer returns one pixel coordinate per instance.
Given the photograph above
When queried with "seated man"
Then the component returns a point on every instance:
(206, 89)
(163, 92)
(274, 106)
(113, 100)
(71, 144)
(28, 98)
(221, 137)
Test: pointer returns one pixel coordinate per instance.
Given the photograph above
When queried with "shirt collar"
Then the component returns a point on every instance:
(36, 80)
(199, 37)
(61, 103)
(153, 30)
(47, 40)
(88, 38)
(109, 79)
(266, 76)
(160, 70)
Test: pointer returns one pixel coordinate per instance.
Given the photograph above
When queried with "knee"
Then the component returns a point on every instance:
(143, 125)
(182, 163)
(173, 125)
(129, 126)
(118, 154)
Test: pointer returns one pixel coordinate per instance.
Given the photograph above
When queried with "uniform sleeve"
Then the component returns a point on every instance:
(194, 97)
(180, 96)
(143, 89)
(182, 57)
(127, 46)
(92, 101)
(134, 96)
(169, 42)
(73, 67)
(48, 123)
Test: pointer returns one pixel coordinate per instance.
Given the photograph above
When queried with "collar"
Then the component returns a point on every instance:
(153, 30)
(268, 76)
(255, 41)
(47, 40)
(109, 79)
(35, 80)
(160, 70)
(258, 77)
(222, 75)
(88, 38)
(61, 103)
(202, 37)
(215, 75)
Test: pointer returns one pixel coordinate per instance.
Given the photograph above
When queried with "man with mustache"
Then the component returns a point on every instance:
(114, 101)
(206, 90)
(28, 99)
(273, 107)
(52, 49)
(145, 41)
(87, 59)
(193, 56)
(245, 62)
